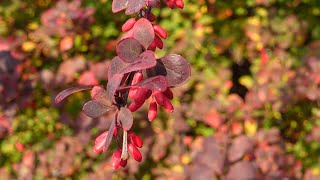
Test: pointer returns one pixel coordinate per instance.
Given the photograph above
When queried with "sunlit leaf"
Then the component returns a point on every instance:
(65, 93)
(126, 118)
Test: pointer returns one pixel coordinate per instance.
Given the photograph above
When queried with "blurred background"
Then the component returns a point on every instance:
(250, 110)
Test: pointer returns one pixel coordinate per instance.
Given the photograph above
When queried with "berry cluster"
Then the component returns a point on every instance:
(135, 74)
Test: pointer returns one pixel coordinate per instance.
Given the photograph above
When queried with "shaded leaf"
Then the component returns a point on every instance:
(129, 49)
(242, 170)
(100, 94)
(65, 93)
(134, 6)
(95, 109)
(174, 67)
(113, 85)
(239, 147)
(143, 32)
(109, 136)
(158, 83)
(126, 118)
(118, 5)
(145, 60)
(116, 66)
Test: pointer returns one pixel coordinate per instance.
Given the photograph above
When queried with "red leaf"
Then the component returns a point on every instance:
(145, 60)
(100, 94)
(174, 67)
(116, 66)
(158, 83)
(129, 49)
(113, 85)
(143, 32)
(135, 6)
(95, 109)
(65, 93)
(126, 118)
(118, 5)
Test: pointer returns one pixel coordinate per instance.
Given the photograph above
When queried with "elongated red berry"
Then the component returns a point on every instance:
(116, 159)
(153, 110)
(134, 106)
(134, 152)
(160, 31)
(99, 142)
(152, 46)
(123, 163)
(137, 78)
(158, 42)
(132, 92)
(135, 139)
(168, 93)
(159, 97)
(167, 105)
(180, 4)
(140, 96)
(128, 24)
(170, 3)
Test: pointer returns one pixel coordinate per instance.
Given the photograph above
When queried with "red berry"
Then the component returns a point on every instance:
(128, 24)
(134, 152)
(153, 110)
(170, 3)
(152, 46)
(137, 78)
(116, 159)
(167, 105)
(123, 163)
(99, 142)
(180, 4)
(160, 31)
(158, 42)
(148, 94)
(159, 97)
(140, 96)
(134, 106)
(134, 139)
(132, 92)
(168, 93)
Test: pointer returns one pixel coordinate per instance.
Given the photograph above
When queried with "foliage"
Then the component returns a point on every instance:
(249, 110)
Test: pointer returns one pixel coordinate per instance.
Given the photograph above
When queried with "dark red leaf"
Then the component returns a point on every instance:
(129, 49)
(109, 136)
(126, 118)
(65, 93)
(100, 94)
(242, 170)
(113, 85)
(174, 67)
(158, 83)
(143, 32)
(118, 5)
(239, 147)
(116, 66)
(145, 60)
(135, 6)
(95, 109)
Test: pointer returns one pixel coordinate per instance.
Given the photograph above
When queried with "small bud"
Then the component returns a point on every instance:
(153, 110)
(160, 31)
(135, 139)
(116, 159)
(158, 42)
(180, 4)
(134, 152)
(128, 24)
(123, 163)
(134, 106)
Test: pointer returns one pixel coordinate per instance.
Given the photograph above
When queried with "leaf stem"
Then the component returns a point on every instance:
(124, 154)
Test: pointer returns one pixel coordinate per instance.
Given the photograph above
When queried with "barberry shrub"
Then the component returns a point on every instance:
(135, 74)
